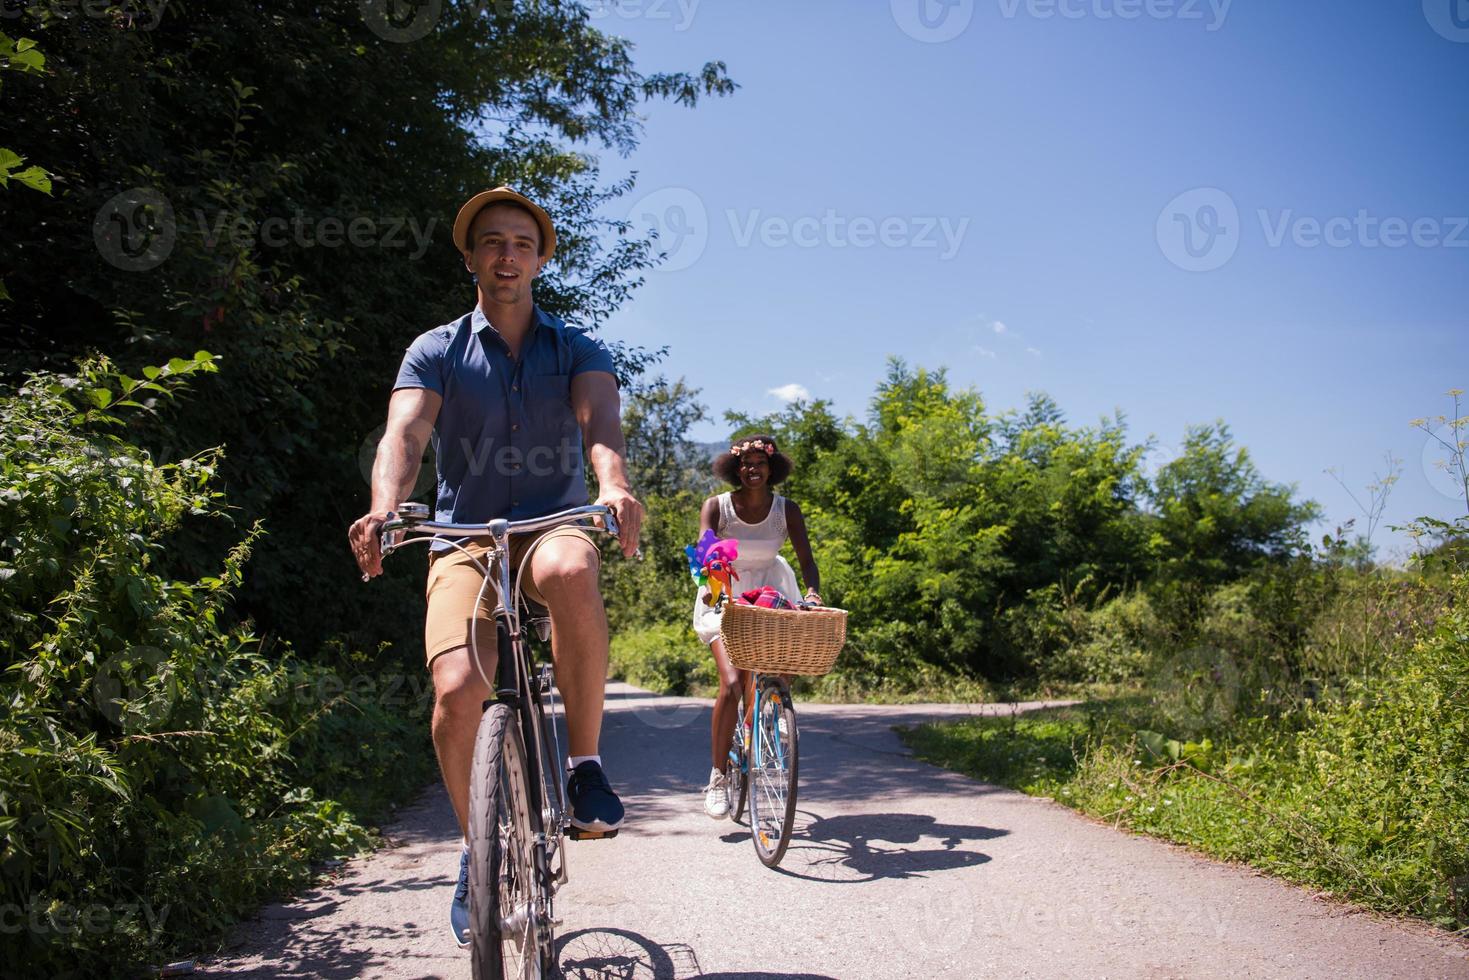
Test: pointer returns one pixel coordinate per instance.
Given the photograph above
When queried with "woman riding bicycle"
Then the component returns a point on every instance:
(760, 520)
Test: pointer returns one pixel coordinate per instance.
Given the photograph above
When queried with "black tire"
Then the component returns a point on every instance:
(502, 827)
(737, 787)
(773, 774)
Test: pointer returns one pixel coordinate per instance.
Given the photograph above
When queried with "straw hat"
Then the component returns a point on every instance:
(484, 199)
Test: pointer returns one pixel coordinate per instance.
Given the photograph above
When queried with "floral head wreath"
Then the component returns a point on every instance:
(763, 445)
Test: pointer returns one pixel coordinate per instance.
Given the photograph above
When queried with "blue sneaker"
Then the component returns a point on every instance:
(595, 809)
(459, 910)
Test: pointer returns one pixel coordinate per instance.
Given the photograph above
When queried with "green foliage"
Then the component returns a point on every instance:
(672, 480)
(1217, 517)
(159, 774)
(984, 544)
(22, 56)
(668, 659)
(1357, 792)
(206, 203)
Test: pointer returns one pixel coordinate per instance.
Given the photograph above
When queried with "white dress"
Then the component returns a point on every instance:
(759, 562)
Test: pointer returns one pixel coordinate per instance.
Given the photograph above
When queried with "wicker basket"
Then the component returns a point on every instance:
(783, 641)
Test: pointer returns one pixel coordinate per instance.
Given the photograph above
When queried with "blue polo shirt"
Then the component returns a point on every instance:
(506, 440)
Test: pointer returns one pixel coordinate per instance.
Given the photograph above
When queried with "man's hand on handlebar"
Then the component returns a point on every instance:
(366, 546)
(629, 514)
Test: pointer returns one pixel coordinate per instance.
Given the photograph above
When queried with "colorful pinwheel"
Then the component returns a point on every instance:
(711, 563)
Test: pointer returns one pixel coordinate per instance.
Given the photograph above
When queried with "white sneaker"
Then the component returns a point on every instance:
(714, 802)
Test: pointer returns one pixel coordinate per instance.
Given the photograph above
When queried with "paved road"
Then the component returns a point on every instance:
(898, 869)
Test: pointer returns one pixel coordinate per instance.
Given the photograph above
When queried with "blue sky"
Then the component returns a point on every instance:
(1251, 210)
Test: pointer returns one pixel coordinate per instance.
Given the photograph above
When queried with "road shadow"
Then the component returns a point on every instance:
(605, 954)
(854, 848)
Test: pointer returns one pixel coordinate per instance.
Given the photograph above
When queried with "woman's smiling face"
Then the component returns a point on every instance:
(754, 469)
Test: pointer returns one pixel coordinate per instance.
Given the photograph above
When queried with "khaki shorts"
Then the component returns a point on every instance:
(454, 585)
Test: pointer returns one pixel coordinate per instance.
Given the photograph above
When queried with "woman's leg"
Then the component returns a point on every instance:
(726, 704)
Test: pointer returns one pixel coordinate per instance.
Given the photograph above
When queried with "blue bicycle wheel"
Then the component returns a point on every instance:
(773, 764)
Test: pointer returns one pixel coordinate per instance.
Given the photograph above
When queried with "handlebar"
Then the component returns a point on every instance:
(405, 519)
(412, 517)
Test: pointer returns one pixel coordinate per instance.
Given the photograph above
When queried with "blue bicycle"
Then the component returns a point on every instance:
(764, 754)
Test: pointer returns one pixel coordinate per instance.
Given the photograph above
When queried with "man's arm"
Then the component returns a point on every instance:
(598, 410)
(411, 415)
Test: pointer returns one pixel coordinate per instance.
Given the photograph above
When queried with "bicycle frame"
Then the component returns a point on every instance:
(410, 526)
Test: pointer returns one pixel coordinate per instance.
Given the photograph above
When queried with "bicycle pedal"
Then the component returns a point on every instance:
(576, 833)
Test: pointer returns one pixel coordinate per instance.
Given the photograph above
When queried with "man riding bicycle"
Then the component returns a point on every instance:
(508, 394)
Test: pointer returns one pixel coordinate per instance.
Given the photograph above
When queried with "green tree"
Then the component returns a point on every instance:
(208, 173)
(662, 459)
(20, 55)
(1217, 517)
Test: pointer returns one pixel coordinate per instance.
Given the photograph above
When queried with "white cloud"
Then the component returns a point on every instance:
(999, 326)
(1033, 350)
(985, 352)
(791, 393)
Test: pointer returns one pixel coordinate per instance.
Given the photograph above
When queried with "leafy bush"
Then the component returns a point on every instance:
(159, 774)
(1358, 792)
(666, 658)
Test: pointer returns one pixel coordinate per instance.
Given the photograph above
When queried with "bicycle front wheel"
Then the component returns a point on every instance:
(504, 893)
(773, 763)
